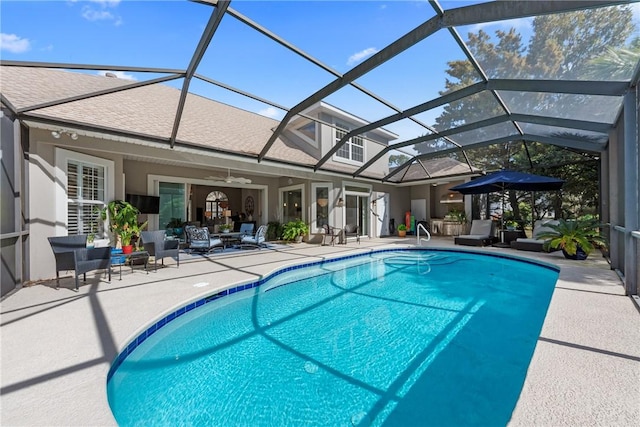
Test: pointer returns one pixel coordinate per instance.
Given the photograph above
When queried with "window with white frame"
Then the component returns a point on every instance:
(353, 148)
(85, 195)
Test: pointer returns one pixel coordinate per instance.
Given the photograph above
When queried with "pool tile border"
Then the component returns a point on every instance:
(129, 348)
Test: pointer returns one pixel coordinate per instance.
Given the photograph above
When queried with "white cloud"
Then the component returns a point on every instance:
(13, 43)
(98, 10)
(106, 3)
(271, 112)
(359, 56)
(91, 14)
(119, 74)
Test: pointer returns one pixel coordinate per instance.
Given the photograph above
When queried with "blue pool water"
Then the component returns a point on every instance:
(411, 337)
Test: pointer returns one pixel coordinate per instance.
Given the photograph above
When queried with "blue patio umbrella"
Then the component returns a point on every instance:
(509, 180)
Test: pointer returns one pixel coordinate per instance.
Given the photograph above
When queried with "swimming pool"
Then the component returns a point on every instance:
(396, 337)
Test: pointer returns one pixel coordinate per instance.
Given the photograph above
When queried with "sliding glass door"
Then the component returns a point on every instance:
(172, 202)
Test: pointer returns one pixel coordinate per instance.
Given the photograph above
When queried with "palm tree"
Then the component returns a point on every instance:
(615, 63)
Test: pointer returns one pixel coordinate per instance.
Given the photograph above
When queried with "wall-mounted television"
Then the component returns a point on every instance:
(145, 204)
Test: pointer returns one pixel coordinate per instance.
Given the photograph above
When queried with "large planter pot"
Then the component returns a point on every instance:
(402, 233)
(579, 256)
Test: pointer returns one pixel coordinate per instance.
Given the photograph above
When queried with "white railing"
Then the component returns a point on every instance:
(418, 239)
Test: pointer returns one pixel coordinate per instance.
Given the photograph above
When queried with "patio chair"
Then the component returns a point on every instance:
(200, 240)
(350, 230)
(71, 253)
(534, 244)
(159, 247)
(482, 233)
(257, 240)
(246, 229)
(331, 234)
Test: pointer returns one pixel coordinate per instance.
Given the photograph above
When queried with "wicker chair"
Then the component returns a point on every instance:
(71, 253)
(350, 230)
(159, 248)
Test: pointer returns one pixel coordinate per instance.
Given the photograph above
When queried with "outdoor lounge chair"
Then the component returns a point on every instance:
(159, 248)
(534, 244)
(200, 240)
(71, 253)
(350, 230)
(257, 240)
(246, 229)
(481, 234)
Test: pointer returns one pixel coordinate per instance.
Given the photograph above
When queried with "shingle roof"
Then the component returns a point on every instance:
(437, 168)
(148, 110)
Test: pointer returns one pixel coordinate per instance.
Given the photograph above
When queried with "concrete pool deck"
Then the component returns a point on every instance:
(57, 344)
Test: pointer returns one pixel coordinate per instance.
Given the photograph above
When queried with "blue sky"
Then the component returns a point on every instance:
(165, 33)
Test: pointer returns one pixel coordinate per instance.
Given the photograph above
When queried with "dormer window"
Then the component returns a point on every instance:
(308, 130)
(353, 148)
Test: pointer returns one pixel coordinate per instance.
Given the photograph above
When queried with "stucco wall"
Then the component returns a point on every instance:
(43, 201)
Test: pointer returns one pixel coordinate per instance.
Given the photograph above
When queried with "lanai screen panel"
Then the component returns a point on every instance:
(485, 133)
(563, 132)
(593, 108)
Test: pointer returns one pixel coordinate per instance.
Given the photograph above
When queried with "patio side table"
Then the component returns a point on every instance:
(129, 259)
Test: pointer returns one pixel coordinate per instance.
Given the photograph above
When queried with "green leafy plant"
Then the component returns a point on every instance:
(224, 227)
(458, 215)
(123, 220)
(402, 227)
(175, 223)
(569, 235)
(293, 229)
(274, 230)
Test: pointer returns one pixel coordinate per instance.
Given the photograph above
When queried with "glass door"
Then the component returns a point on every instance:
(320, 206)
(357, 212)
(291, 203)
(172, 203)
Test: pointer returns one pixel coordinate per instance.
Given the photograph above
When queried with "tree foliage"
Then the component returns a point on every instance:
(577, 45)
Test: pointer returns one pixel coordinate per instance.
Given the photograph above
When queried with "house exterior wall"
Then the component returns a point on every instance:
(44, 204)
(373, 145)
(131, 176)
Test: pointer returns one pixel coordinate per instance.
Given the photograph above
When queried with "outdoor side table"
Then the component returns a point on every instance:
(129, 259)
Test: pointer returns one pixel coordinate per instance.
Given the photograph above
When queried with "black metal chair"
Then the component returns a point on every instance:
(351, 230)
(200, 240)
(257, 241)
(71, 253)
(159, 247)
(331, 234)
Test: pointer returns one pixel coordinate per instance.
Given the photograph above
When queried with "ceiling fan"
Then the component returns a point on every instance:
(229, 179)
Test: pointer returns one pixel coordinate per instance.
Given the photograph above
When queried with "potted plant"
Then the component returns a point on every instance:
(176, 226)
(402, 230)
(225, 228)
(123, 222)
(294, 230)
(577, 238)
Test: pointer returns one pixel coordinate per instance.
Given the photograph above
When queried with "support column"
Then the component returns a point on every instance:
(631, 189)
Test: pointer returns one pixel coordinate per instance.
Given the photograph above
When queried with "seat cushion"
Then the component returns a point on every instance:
(482, 227)
(474, 236)
(529, 240)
